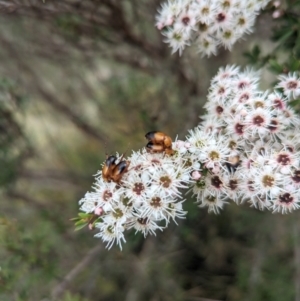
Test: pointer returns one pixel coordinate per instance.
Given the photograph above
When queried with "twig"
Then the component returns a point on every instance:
(41, 175)
(59, 289)
(66, 110)
(52, 100)
(26, 198)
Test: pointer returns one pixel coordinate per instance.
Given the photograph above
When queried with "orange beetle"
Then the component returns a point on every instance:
(233, 163)
(108, 167)
(119, 171)
(113, 171)
(159, 142)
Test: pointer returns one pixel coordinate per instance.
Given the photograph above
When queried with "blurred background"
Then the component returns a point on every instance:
(82, 78)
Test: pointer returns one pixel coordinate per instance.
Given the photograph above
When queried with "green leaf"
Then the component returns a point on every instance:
(84, 215)
(81, 222)
(79, 227)
(284, 38)
(275, 66)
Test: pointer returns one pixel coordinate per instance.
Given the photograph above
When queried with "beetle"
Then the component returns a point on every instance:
(233, 163)
(158, 148)
(119, 170)
(159, 142)
(159, 138)
(108, 167)
(113, 171)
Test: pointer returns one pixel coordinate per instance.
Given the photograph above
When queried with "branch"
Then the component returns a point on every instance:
(58, 290)
(16, 7)
(52, 175)
(27, 199)
(52, 100)
(113, 19)
(131, 38)
(65, 110)
(135, 63)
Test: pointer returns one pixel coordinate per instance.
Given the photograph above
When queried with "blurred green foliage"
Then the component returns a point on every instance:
(13, 145)
(285, 57)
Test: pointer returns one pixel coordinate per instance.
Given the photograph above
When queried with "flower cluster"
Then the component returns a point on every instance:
(247, 149)
(147, 199)
(249, 143)
(207, 23)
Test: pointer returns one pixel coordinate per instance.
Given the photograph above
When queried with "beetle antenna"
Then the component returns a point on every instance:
(125, 152)
(105, 149)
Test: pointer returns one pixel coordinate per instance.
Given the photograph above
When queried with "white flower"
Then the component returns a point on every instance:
(168, 181)
(136, 188)
(210, 192)
(244, 96)
(207, 45)
(175, 210)
(213, 201)
(214, 153)
(247, 79)
(208, 22)
(289, 117)
(228, 72)
(180, 146)
(228, 36)
(277, 101)
(244, 22)
(212, 125)
(290, 84)
(258, 121)
(284, 161)
(295, 178)
(88, 203)
(198, 139)
(186, 21)
(233, 182)
(168, 12)
(286, 202)
(106, 194)
(110, 234)
(218, 93)
(158, 208)
(260, 201)
(266, 180)
(223, 19)
(177, 39)
(145, 225)
(256, 198)
(205, 11)
(290, 139)
(236, 127)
